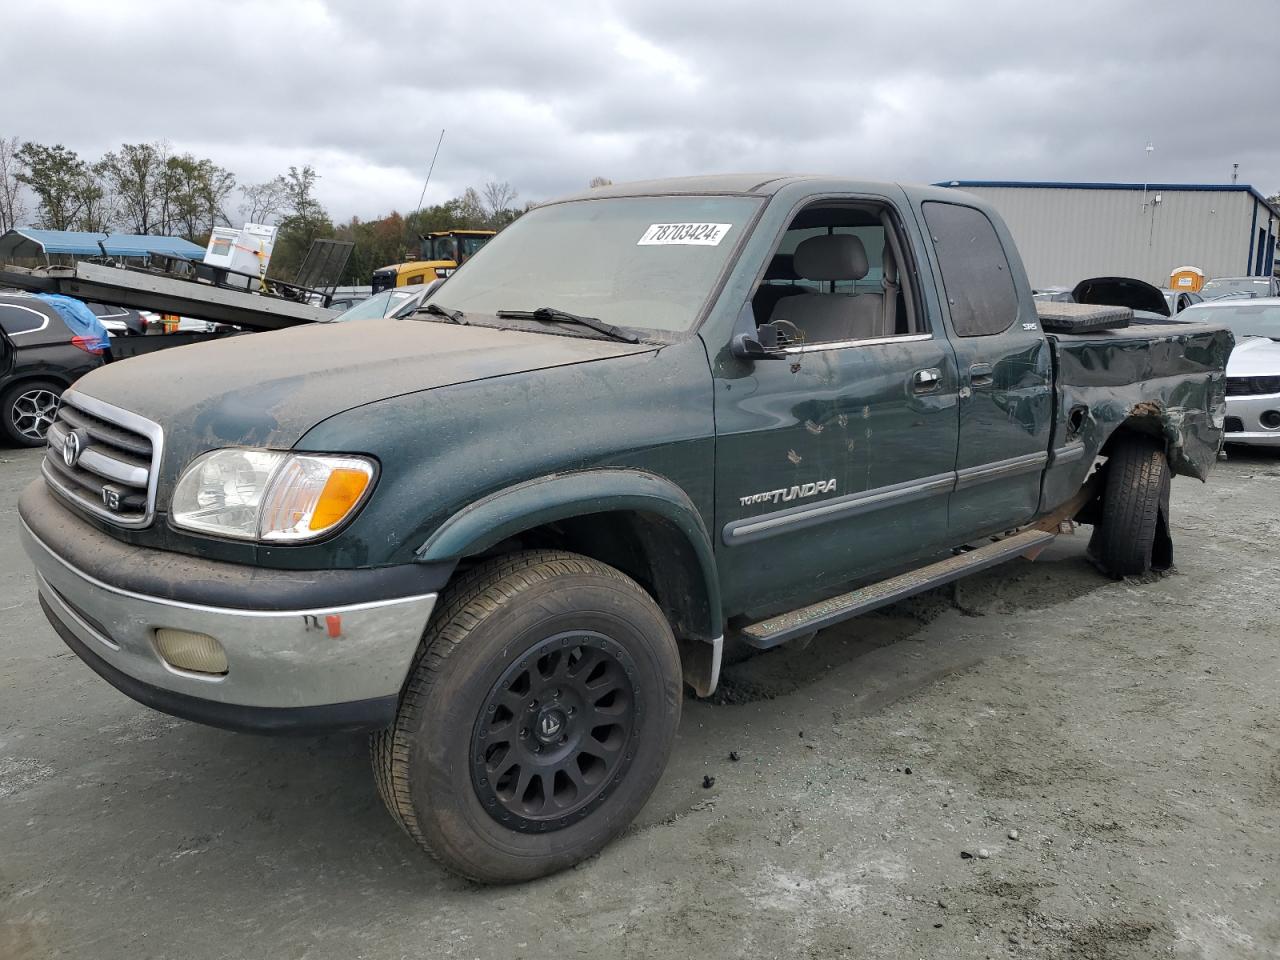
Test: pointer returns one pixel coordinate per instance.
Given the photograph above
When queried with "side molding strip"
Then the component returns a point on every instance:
(851, 505)
(1069, 453)
(999, 469)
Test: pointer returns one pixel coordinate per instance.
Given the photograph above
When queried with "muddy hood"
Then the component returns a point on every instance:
(268, 389)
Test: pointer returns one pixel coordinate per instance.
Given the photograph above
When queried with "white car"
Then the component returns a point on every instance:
(1253, 372)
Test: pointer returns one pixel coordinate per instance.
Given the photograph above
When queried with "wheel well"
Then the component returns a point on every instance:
(33, 378)
(646, 547)
(1147, 425)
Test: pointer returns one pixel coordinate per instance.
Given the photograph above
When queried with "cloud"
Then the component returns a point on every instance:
(548, 96)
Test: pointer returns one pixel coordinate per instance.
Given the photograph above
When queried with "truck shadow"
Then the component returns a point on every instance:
(1062, 574)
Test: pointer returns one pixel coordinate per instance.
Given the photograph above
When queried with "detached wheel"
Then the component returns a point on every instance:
(27, 409)
(537, 719)
(1132, 537)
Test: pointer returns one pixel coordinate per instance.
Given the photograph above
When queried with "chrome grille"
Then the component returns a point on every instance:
(111, 466)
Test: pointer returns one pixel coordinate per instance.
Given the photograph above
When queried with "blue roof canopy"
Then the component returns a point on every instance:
(28, 243)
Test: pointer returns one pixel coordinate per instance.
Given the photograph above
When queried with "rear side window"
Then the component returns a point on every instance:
(975, 270)
(16, 320)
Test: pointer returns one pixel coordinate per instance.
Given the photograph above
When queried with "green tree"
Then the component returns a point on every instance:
(68, 191)
(195, 191)
(136, 175)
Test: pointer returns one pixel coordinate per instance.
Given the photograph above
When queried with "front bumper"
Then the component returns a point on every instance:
(303, 668)
(1247, 412)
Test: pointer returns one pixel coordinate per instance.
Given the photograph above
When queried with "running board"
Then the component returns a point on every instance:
(817, 616)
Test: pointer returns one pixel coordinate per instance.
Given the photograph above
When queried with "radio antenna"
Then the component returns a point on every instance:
(423, 195)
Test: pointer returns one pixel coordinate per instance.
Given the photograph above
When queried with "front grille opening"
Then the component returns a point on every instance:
(1252, 386)
(102, 460)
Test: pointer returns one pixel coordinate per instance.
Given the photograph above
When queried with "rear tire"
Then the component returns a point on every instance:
(1132, 536)
(537, 719)
(27, 409)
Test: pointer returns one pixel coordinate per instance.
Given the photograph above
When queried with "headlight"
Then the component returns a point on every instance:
(265, 495)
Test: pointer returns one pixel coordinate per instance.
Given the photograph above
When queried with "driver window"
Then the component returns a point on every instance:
(834, 278)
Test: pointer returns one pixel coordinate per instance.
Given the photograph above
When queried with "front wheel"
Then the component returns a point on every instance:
(536, 720)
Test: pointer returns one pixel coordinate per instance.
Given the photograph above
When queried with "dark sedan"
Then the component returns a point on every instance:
(40, 356)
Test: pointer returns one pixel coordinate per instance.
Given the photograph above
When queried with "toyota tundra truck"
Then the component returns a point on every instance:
(503, 534)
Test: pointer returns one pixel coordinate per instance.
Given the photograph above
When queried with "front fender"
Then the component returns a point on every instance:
(544, 500)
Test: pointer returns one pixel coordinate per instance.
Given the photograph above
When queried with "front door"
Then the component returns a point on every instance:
(837, 461)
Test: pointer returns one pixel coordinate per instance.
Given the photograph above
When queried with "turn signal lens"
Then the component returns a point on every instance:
(312, 494)
(343, 491)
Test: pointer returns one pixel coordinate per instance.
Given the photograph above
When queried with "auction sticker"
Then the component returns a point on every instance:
(684, 234)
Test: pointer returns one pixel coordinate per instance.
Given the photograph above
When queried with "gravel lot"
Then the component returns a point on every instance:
(1107, 752)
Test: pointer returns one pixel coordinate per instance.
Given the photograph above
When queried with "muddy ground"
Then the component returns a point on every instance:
(1125, 733)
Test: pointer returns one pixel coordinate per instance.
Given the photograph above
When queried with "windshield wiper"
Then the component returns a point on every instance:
(455, 316)
(553, 313)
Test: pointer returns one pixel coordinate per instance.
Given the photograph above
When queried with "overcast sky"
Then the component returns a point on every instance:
(547, 96)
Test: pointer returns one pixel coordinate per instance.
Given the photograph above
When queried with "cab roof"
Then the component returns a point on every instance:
(758, 184)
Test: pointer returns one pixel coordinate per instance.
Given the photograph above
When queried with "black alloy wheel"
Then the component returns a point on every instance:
(556, 729)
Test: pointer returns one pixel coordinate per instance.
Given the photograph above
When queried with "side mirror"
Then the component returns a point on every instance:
(763, 345)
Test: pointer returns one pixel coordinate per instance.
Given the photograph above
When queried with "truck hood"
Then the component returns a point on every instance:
(1254, 357)
(268, 389)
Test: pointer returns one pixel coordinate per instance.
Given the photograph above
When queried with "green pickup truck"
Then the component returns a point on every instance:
(503, 534)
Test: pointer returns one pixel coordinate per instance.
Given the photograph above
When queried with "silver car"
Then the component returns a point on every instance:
(1253, 372)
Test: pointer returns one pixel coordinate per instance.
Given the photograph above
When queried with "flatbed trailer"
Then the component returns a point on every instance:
(150, 290)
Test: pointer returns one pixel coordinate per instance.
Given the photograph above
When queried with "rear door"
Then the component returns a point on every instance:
(1006, 379)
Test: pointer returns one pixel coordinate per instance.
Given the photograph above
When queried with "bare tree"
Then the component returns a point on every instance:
(13, 209)
(265, 202)
(599, 182)
(498, 198)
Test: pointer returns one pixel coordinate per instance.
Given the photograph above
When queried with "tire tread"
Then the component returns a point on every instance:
(467, 603)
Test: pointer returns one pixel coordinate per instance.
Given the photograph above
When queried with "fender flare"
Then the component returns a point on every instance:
(559, 496)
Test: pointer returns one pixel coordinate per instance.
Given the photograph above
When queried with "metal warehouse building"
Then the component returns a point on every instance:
(1069, 231)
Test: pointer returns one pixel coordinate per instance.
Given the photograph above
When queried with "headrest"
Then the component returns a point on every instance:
(890, 267)
(834, 256)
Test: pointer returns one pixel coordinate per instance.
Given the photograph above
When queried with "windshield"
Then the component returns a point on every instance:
(1237, 286)
(1241, 318)
(440, 248)
(379, 305)
(647, 263)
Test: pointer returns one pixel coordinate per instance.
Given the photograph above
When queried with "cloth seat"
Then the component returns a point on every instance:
(832, 317)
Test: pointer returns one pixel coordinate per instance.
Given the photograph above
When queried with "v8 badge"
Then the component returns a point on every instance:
(111, 495)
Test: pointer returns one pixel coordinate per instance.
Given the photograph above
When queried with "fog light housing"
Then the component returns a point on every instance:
(191, 652)
(1270, 419)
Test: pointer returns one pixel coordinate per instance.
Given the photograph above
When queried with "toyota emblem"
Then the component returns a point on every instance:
(71, 448)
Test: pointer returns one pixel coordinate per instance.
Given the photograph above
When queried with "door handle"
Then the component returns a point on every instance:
(925, 381)
(981, 375)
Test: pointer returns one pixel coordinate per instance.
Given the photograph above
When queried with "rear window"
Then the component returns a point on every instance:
(975, 271)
